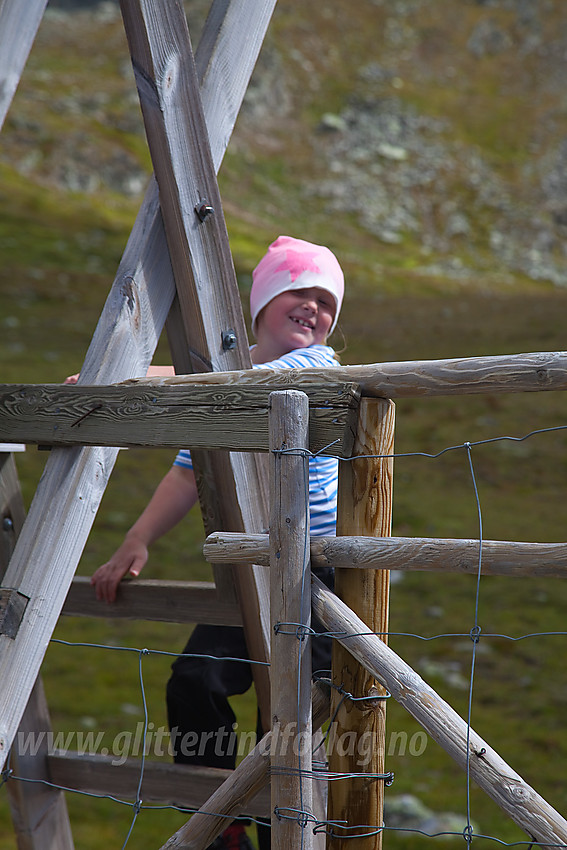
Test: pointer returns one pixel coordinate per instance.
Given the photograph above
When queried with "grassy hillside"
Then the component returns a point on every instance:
(424, 141)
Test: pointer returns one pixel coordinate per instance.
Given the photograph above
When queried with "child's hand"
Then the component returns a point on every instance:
(72, 379)
(130, 559)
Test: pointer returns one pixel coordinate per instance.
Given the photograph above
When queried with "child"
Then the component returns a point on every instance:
(295, 300)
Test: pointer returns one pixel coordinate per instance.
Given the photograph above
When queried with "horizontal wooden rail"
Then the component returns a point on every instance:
(168, 784)
(499, 557)
(508, 373)
(197, 417)
(149, 599)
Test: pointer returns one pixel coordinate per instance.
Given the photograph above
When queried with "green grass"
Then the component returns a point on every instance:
(520, 689)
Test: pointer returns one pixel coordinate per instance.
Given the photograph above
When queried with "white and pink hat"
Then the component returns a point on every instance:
(295, 264)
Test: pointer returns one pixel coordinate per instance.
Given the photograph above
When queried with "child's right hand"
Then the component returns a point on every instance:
(130, 559)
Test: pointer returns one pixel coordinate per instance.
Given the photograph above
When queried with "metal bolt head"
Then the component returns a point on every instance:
(7, 524)
(203, 210)
(228, 340)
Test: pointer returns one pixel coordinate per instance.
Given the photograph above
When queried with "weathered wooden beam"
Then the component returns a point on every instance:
(232, 798)
(364, 507)
(169, 784)
(523, 805)
(513, 373)
(150, 599)
(499, 557)
(12, 511)
(205, 417)
(206, 284)
(39, 809)
(19, 23)
(122, 347)
(290, 603)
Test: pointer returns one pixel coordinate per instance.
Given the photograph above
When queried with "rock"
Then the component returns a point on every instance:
(406, 811)
(334, 123)
(488, 39)
(395, 152)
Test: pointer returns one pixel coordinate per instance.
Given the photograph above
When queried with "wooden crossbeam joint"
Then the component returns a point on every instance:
(12, 608)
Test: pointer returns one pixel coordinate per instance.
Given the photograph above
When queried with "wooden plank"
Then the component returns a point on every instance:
(149, 599)
(122, 347)
(12, 511)
(231, 798)
(177, 133)
(223, 84)
(513, 373)
(124, 415)
(19, 23)
(178, 139)
(290, 601)
(523, 805)
(39, 810)
(364, 507)
(168, 784)
(499, 557)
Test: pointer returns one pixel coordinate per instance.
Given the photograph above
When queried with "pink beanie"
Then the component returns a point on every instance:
(295, 264)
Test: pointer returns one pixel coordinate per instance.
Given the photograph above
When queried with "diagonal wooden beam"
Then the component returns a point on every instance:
(74, 480)
(211, 311)
(19, 23)
(497, 779)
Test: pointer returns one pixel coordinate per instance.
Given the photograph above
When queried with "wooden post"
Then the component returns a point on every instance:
(290, 590)
(365, 507)
(233, 797)
(39, 812)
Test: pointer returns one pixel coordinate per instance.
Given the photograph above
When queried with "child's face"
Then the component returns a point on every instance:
(296, 318)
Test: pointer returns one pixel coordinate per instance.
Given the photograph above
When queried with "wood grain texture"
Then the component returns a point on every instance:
(178, 139)
(514, 373)
(74, 480)
(290, 608)
(168, 784)
(205, 417)
(233, 796)
(19, 23)
(364, 507)
(523, 805)
(499, 557)
(39, 810)
(150, 599)
(12, 511)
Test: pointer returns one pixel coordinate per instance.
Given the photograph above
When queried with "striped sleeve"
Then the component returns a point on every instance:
(323, 471)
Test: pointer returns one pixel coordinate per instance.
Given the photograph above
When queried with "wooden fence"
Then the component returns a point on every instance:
(287, 419)
(190, 104)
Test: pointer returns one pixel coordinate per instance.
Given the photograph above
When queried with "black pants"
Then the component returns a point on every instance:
(199, 714)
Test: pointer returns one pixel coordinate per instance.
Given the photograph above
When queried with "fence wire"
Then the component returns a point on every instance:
(301, 630)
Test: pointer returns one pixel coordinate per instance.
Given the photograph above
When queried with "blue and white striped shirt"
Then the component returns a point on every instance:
(323, 471)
